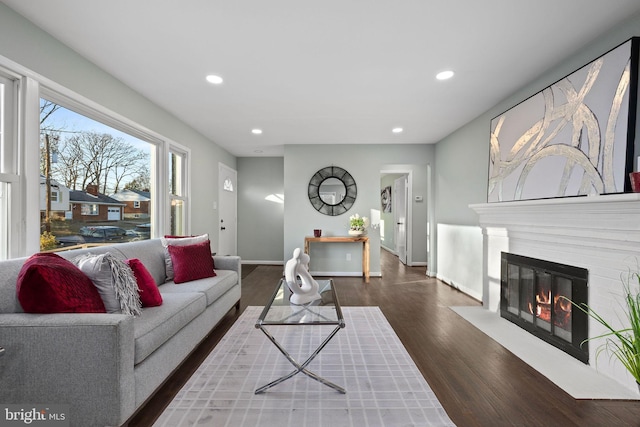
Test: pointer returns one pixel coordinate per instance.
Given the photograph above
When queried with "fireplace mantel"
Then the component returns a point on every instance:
(573, 216)
(599, 233)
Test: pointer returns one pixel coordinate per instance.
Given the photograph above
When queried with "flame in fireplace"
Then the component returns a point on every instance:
(543, 306)
(561, 309)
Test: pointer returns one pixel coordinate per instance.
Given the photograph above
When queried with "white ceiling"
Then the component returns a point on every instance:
(325, 72)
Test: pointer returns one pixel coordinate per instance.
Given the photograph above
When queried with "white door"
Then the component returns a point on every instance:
(399, 197)
(113, 214)
(227, 210)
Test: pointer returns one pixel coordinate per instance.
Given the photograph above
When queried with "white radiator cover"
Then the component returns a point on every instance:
(599, 233)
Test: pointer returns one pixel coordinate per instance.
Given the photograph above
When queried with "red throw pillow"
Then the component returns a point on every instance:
(148, 290)
(191, 262)
(48, 283)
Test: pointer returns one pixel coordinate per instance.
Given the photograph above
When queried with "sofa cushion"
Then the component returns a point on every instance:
(158, 324)
(114, 280)
(178, 241)
(212, 287)
(48, 283)
(150, 252)
(191, 262)
(147, 288)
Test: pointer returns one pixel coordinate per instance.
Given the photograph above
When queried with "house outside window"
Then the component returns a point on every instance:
(136, 204)
(55, 196)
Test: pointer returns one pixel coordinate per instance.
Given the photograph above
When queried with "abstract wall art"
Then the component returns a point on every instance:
(385, 199)
(573, 138)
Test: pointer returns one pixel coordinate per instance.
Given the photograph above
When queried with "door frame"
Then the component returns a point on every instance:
(222, 167)
(409, 225)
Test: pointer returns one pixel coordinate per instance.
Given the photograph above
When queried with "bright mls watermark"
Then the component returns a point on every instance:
(41, 415)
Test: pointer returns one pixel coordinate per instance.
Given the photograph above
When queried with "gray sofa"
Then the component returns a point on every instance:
(105, 366)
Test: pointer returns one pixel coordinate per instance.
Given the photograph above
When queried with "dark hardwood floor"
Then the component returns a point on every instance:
(478, 382)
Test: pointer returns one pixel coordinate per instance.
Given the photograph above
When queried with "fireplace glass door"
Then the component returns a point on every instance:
(536, 295)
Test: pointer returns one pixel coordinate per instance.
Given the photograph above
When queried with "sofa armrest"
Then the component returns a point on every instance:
(81, 360)
(228, 263)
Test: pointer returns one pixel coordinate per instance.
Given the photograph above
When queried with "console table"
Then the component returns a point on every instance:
(344, 239)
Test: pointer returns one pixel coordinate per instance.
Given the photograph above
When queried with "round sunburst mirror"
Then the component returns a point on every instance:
(332, 191)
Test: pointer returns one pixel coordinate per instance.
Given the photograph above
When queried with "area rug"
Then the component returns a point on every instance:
(383, 385)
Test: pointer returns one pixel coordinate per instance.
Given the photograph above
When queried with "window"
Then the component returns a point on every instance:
(177, 192)
(8, 169)
(136, 204)
(57, 117)
(227, 185)
(89, 160)
(89, 209)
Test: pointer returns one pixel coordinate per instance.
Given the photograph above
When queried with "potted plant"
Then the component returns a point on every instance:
(357, 224)
(623, 344)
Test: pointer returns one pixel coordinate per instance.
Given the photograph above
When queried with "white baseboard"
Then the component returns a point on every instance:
(344, 273)
(391, 251)
(468, 291)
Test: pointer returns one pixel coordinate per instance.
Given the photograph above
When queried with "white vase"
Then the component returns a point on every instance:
(356, 232)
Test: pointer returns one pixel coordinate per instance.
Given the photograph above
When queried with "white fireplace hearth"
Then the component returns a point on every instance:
(599, 233)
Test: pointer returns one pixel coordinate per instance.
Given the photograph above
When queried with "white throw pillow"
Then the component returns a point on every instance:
(114, 281)
(178, 241)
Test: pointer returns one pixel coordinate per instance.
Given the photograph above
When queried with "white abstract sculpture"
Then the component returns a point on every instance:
(298, 266)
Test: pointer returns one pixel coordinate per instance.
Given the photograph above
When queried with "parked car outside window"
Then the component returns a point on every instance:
(96, 234)
(143, 231)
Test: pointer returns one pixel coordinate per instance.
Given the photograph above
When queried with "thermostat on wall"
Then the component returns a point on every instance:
(418, 198)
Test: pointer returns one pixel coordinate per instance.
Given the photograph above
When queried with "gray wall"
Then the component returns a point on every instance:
(260, 221)
(364, 163)
(30, 47)
(462, 161)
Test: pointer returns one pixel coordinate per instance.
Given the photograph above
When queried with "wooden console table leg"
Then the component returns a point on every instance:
(365, 260)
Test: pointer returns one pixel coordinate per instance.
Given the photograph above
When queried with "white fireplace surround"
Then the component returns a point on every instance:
(599, 233)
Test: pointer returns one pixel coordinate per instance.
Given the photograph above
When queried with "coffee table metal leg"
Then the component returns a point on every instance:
(300, 367)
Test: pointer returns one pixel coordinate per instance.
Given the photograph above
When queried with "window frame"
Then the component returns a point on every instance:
(9, 177)
(23, 208)
(184, 183)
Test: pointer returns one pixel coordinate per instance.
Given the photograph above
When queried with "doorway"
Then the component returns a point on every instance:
(399, 198)
(395, 216)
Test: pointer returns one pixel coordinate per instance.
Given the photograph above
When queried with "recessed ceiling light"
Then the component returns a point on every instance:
(397, 130)
(213, 79)
(256, 131)
(445, 75)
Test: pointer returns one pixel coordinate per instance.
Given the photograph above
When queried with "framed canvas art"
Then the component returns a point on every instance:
(573, 138)
(385, 199)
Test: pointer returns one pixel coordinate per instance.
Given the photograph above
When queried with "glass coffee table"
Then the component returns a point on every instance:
(280, 312)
